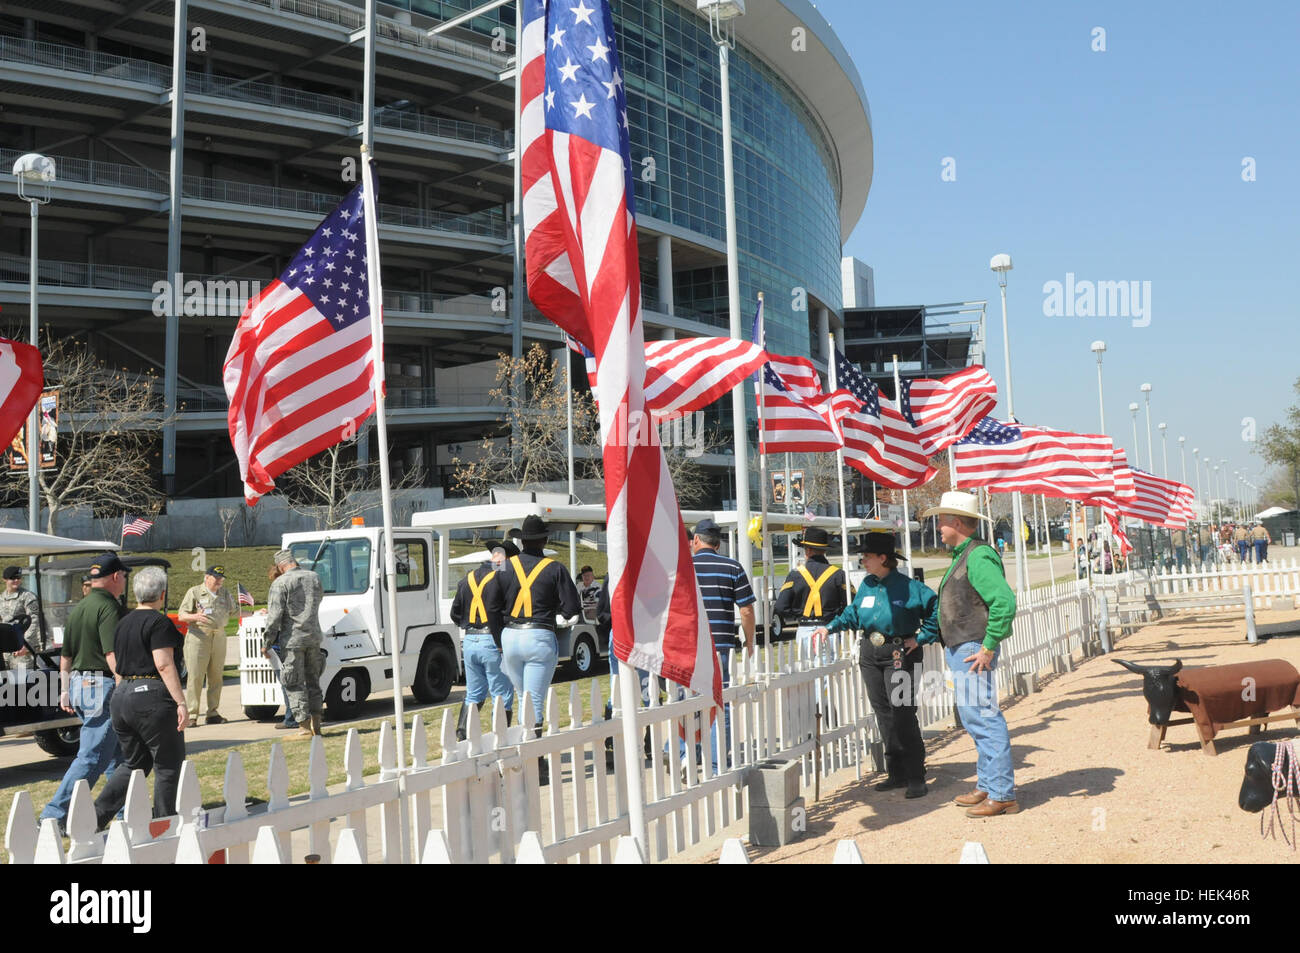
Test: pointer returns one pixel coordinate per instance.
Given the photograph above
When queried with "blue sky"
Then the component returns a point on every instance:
(1116, 165)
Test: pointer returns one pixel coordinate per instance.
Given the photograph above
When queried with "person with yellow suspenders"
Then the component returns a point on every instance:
(522, 602)
(478, 648)
(814, 593)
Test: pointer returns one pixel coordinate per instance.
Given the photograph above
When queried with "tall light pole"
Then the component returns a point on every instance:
(1137, 446)
(34, 173)
(1099, 348)
(1151, 447)
(1000, 265)
(1196, 467)
(722, 16)
(1182, 452)
(1223, 477)
(1210, 489)
(1164, 447)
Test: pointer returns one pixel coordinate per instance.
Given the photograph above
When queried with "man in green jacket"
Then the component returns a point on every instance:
(976, 607)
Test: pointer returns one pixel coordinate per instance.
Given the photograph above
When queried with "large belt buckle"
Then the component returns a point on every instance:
(877, 639)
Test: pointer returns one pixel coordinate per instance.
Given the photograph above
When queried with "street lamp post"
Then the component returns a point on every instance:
(1151, 447)
(1137, 446)
(1196, 467)
(34, 173)
(1000, 265)
(1223, 478)
(1099, 348)
(1182, 453)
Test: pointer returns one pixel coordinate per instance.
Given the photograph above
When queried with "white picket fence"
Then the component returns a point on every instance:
(1267, 581)
(483, 801)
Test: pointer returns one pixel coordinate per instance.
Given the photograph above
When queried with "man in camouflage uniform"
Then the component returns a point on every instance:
(291, 619)
(17, 602)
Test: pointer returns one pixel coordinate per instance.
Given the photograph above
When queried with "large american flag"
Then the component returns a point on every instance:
(945, 410)
(795, 421)
(688, 374)
(21, 379)
(299, 373)
(878, 440)
(583, 274)
(1010, 457)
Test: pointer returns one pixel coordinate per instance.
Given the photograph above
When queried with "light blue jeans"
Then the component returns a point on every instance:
(528, 658)
(977, 704)
(825, 653)
(724, 659)
(483, 670)
(99, 752)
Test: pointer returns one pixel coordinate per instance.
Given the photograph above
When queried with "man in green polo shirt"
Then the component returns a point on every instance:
(976, 607)
(86, 680)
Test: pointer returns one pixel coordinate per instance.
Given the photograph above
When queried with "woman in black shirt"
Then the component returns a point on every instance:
(148, 704)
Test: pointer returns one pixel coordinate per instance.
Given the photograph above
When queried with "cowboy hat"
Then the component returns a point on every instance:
(813, 536)
(879, 544)
(534, 528)
(956, 503)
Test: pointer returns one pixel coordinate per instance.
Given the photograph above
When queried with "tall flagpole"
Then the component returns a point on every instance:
(385, 479)
(839, 473)
(907, 520)
(568, 409)
(1047, 528)
(766, 550)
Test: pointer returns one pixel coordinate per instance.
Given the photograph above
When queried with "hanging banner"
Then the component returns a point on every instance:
(49, 423)
(796, 487)
(778, 488)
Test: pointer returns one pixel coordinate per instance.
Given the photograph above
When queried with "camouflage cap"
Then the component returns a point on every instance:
(284, 556)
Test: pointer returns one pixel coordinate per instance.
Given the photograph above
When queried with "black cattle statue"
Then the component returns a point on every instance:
(1272, 771)
(1159, 687)
(1237, 695)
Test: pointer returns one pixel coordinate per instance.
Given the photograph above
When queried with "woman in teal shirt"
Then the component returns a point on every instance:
(897, 615)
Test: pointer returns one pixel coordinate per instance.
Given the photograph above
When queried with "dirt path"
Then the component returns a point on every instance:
(1090, 790)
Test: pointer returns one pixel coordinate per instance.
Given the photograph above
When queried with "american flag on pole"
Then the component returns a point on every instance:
(1155, 500)
(795, 422)
(583, 274)
(878, 440)
(1111, 512)
(245, 597)
(299, 373)
(688, 374)
(1057, 463)
(943, 411)
(21, 379)
(136, 526)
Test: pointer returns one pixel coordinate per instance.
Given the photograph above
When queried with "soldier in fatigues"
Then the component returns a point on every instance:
(291, 619)
(16, 603)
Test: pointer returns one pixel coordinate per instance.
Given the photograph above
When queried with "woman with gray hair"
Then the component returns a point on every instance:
(148, 706)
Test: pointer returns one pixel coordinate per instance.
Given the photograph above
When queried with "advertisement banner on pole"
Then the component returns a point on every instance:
(778, 488)
(796, 487)
(49, 423)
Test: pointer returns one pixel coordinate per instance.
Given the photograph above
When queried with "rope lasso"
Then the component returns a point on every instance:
(1286, 777)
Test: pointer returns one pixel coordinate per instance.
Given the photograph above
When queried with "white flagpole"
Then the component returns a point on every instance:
(907, 520)
(765, 540)
(839, 473)
(568, 409)
(1047, 531)
(385, 480)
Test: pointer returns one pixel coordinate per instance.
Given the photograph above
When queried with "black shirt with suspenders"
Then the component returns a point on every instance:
(468, 610)
(813, 593)
(529, 593)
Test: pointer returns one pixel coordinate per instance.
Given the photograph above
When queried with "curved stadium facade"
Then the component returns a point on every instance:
(272, 111)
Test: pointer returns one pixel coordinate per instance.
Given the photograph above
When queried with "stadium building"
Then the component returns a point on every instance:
(263, 143)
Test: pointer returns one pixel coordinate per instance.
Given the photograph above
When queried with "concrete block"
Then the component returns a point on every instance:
(1062, 664)
(773, 783)
(1026, 683)
(1285, 603)
(776, 827)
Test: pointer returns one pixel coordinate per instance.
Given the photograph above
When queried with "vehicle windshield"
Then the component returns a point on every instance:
(342, 564)
(60, 591)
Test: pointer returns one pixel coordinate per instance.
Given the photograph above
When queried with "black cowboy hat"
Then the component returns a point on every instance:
(879, 544)
(813, 536)
(511, 550)
(534, 528)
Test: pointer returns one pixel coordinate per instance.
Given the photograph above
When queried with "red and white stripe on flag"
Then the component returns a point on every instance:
(21, 378)
(1009, 457)
(583, 274)
(1111, 512)
(794, 420)
(1156, 500)
(943, 411)
(885, 447)
(299, 373)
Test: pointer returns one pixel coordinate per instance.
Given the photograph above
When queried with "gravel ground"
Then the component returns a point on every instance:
(1090, 791)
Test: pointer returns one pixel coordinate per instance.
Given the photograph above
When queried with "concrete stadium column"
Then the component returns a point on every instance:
(668, 334)
(839, 338)
(665, 249)
(171, 345)
(823, 333)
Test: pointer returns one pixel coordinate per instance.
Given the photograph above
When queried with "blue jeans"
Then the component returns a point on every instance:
(483, 670)
(1243, 547)
(642, 674)
(528, 658)
(825, 653)
(99, 752)
(977, 704)
(1261, 550)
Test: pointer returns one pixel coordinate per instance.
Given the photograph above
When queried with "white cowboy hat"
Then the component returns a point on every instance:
(956, 503)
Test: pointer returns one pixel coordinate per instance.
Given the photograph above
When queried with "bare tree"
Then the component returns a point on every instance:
(534, 419)
(228, 517)
(248, 520)
(109, 432)
(333, 487)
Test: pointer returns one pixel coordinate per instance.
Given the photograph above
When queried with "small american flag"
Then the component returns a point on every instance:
(135, 527)
(878, 440)
(943, 411)
(1057, 463)
(299, 374)
(581, 254)
(245, 597)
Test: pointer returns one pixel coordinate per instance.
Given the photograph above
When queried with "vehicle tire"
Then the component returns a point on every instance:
(776, 628)
(60, 742)
(435, 673)
(261, 712)
(343, 701)
(585, 656)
